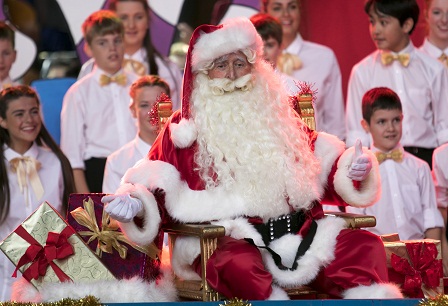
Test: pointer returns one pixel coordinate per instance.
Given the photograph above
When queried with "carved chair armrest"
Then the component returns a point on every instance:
(354, 220)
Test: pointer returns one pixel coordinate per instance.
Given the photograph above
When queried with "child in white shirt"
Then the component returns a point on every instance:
(419, 80)
(440, 176)
(436, 42)
(407, 205)
(144, 93)
(95, 120)
(27, 149)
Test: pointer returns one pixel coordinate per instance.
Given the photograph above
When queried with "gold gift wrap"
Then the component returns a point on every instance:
(82, 266)
(398, 248)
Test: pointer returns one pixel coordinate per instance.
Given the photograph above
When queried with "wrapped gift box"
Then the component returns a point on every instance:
(416, 265)
(102, 234)
(46, 249)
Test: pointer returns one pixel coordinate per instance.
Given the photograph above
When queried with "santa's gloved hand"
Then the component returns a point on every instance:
(361, 164)
(122, 207)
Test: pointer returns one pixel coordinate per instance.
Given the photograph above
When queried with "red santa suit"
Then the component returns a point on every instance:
(266, 247)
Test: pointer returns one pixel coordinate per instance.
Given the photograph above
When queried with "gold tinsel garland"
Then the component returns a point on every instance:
(440, 300)
(87, 301)
(236, 302)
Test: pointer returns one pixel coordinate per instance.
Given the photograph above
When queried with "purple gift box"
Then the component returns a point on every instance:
(103, 236)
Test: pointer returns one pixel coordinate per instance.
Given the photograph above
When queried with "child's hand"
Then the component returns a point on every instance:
(361, 164)
(122, 207)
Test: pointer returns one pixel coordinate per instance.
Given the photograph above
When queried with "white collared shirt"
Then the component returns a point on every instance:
(320, 66)
(440, 174)
(121, 160)
(95, 119)
(432, 50)
(51, 177)
(167, 71)
(422, 88)
(408, 204)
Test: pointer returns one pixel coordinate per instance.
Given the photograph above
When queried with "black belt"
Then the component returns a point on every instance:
(278, 227)
(415, 150)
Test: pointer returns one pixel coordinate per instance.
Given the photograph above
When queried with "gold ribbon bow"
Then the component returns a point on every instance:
(396, 155)
(119, 79)
(108, 236)
(288, 62)
(27, 167)
(444, 59)
(387, 58)
(134, 66)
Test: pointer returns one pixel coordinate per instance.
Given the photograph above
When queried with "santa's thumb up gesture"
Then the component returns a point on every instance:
(361, 164)
(122, 207)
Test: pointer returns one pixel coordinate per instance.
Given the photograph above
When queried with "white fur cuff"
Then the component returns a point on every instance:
(151, 216)
(370, 189)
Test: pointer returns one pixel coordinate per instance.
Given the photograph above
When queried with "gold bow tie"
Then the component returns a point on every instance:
(119, 79)
(444, 59)
(27, 167)
(396, 155)
(288, 62)
(134, 66)
(387, 58)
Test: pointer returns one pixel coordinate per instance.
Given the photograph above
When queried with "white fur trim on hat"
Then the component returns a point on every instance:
(370, 189)
(184, 133)
(236, 34)
(375, 291)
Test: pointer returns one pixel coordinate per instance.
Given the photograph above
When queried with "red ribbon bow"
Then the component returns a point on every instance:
(56, 247)
(422, 268)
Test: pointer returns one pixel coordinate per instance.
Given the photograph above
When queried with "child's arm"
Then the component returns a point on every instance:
(434, 233)
(80, 181)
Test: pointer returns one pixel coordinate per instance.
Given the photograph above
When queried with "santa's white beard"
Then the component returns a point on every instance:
(249, 144)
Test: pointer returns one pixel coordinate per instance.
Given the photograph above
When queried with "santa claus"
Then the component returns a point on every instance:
(237, 155)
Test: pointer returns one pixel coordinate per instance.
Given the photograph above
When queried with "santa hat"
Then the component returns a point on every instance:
(207, 43)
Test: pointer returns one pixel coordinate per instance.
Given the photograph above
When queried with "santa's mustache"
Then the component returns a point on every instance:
(220, 86)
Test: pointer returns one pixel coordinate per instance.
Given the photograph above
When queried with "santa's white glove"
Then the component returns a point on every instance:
(361, 164)
(122, 207)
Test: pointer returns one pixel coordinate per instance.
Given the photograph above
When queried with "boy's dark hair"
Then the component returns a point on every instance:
(267, 26)
(101, 23)
(7, 33)
(379, 98)
(400, 9)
